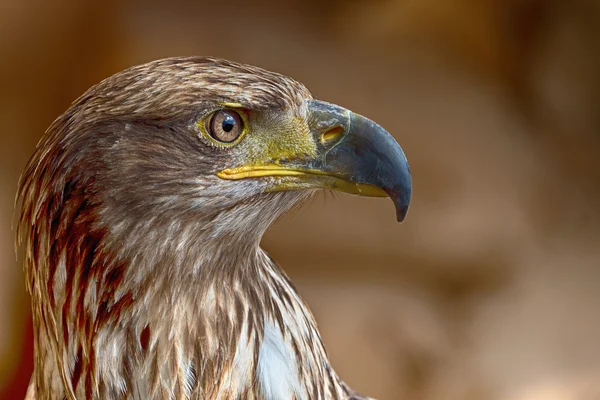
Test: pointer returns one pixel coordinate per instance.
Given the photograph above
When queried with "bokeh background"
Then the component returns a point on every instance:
(491, 288)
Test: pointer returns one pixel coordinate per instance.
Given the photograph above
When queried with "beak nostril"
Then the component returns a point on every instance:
(332, 134)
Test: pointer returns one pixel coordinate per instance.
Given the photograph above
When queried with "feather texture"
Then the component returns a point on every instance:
(145, 270)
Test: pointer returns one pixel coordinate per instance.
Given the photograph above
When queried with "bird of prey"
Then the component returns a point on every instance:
(141, 215)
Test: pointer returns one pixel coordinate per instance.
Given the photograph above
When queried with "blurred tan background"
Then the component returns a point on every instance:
(491, 288)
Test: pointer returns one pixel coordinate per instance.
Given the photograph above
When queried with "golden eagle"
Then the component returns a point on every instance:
(141, 215)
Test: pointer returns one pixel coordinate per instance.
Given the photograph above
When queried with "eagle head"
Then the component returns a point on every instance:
(159, 182)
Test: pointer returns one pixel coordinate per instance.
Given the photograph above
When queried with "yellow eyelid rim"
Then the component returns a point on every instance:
(231, 105)
(224, 106)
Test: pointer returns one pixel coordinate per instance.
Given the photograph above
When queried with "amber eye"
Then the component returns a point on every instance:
(225, 126)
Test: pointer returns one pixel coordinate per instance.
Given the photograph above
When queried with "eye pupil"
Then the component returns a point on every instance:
(228, 123)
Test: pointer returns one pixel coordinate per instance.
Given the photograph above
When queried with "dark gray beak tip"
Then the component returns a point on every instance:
(401, 213)
(401, 201)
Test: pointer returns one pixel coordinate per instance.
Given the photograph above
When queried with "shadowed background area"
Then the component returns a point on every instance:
(491, 287)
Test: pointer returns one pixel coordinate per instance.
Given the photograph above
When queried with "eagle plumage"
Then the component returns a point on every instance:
(141, 230)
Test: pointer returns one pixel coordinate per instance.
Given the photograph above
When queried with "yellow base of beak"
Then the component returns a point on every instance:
(301, 179)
